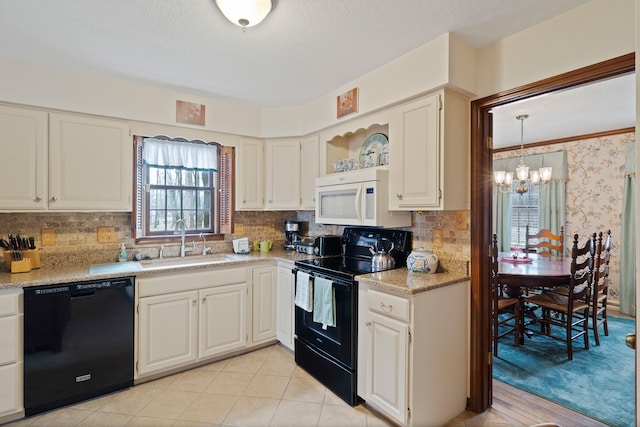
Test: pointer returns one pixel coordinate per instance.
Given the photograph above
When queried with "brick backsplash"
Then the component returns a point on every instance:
(75, 234)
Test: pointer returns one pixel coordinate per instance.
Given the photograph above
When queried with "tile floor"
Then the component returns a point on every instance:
(261, 388)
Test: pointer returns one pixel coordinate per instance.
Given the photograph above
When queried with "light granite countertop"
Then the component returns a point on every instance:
(404, 281)
(400, 279)
(77, 273)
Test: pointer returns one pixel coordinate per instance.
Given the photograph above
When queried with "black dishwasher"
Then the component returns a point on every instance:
(78, 341)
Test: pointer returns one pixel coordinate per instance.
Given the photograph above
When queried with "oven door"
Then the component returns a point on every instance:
(336, 342)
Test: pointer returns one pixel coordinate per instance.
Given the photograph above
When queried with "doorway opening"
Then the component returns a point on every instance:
(481, 217)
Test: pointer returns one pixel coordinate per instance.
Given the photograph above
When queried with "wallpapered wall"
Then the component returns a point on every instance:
(594, 191)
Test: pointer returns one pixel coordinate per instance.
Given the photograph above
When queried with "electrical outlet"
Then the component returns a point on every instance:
(461, 220)
(437, 238)
(271, 225)
(106, 234)
(47, 237)
(238, 228)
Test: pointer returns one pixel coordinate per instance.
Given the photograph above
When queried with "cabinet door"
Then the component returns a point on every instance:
(90, 163)
(10, 389)
(414, 165)
(264, 297)
(285, 307)
(23, 143)
(222, 319)
(282, 174)
(387, 365)
(167, 331)
(249, 174)
(310, 170)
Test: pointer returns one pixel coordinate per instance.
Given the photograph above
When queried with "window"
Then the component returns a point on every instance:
(179, 179)
(524, 211)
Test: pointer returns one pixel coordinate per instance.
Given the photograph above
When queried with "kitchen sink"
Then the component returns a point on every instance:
(156, 264)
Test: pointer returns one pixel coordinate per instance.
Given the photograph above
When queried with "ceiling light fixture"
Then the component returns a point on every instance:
(245, 13)
(504, 179)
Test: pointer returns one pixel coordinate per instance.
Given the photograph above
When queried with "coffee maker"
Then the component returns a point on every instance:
(291, 235)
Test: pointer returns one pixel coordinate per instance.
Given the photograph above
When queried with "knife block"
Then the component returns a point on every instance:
(30, 260)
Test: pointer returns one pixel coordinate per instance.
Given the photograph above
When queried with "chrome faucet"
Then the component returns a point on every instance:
(180, 224)
(205, 249)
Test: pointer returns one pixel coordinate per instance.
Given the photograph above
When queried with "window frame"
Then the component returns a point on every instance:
(223, 197)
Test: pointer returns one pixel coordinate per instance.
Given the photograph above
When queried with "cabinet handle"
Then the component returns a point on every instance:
(385, 307)
(270, 201)
(38, 199)
(367, 323)
(195, 301)
(54, 198)
(399, 196)
(204, 299)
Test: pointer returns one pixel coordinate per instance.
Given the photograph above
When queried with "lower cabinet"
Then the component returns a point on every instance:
(11, 361)
(264, 296)
(412, 361)
(285, 306)
(222, 319)
(186, 317)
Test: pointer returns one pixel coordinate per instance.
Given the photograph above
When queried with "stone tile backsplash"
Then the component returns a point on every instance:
(75, 235)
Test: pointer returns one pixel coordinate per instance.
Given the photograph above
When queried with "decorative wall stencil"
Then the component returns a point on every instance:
(348, 102)
(189, 112)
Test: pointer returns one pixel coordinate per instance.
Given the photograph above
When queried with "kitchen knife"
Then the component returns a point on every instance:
(4, 244)
(32, 243)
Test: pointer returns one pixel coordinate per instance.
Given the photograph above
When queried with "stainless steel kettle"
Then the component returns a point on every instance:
(381, 259)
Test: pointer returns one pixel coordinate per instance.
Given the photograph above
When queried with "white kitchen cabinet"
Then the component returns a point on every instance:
(285, 304)
(11, 358)
(168, 327)
(91, 163)
(23, 143)
(64, 162)
(185, 317)
(429, 153)
(310, 170)
(264, 296)
(412, 353)
(222, 319)
(282, 174)
(250, 174)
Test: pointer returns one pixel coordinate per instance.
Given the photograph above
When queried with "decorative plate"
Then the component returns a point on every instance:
(376, 143)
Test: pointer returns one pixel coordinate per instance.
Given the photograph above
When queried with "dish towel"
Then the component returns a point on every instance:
(324, 301)
(304, 291)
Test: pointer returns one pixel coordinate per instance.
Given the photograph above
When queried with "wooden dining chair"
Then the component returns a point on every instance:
(600, 288)
(506, 317)
(546, 243)
(573, 307)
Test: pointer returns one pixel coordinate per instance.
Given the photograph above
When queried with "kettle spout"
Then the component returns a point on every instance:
(372, 250)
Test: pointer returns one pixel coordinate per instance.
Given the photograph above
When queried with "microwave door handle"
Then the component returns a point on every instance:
(359, 203)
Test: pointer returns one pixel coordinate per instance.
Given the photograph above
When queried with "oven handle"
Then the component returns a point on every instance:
(313, 275)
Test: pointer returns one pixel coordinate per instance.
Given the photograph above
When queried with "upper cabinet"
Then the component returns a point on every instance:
(23, 142)
(429, 153)
(282, 174)
(64, 162)
(249, 174)
(310, 170)
(90, 163)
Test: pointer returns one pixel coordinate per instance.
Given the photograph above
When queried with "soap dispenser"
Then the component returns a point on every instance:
(123, 255)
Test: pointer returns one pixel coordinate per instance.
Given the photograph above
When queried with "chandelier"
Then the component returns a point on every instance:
(245, 13)
(504, 179)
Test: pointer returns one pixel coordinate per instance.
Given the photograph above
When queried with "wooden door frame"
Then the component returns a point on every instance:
(480, 385)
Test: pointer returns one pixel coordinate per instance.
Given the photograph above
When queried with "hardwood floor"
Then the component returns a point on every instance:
(515, 407)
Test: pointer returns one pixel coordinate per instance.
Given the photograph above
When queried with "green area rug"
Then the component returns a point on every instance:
(599, 382)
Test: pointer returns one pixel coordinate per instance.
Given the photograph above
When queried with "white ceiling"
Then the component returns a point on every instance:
(303, 50)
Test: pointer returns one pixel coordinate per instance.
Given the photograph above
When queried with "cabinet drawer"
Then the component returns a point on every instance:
(389, 305)
(10, 302)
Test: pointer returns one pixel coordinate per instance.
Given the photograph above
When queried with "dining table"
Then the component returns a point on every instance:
(517, 271)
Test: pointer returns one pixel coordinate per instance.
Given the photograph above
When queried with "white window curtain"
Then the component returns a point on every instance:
(628, 246)
(190, 155)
